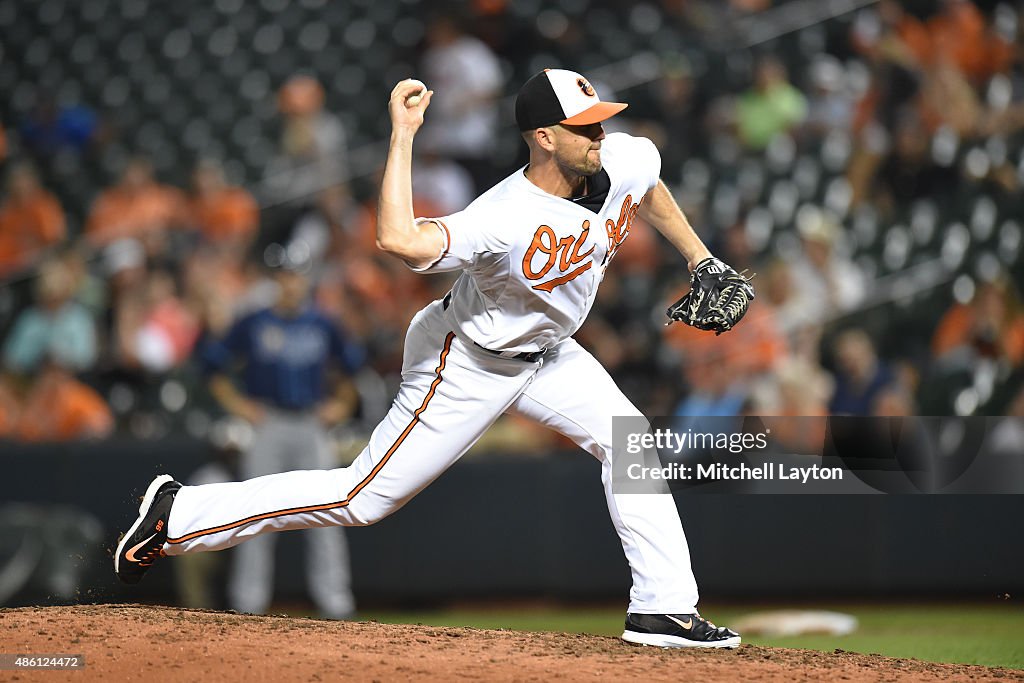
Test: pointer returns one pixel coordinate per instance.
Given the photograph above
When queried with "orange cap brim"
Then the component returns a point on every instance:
(599, 112)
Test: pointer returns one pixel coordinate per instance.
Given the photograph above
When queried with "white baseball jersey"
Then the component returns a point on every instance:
(531, 265)
(531, 261)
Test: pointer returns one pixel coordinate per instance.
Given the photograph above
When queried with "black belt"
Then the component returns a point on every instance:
(527, 356)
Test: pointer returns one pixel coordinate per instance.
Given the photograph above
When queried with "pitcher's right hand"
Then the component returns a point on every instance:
(404, 115)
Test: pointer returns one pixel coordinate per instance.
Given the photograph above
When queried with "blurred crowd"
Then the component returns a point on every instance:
(830, 161)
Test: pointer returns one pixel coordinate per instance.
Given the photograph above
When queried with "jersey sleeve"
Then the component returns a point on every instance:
(466, 241)
(650, 161)
(633, 160)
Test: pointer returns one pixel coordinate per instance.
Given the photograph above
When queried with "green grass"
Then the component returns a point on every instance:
(990, 635)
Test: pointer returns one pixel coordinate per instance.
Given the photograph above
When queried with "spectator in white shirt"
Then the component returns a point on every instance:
(464, 114)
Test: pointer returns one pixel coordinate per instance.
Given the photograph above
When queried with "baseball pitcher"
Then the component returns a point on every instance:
(532, 252)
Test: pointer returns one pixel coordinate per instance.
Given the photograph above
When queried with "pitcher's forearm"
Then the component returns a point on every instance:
(395, 220)
(661, 210)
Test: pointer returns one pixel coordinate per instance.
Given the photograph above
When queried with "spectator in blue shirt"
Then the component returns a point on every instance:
(860, 376)
(292, 367)
(52, 128)
(56, 327)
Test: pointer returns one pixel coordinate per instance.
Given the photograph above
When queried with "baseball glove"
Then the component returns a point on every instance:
(718, 298)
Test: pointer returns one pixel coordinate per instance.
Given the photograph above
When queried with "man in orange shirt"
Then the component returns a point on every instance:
(961, 37)
(10, 407)
(225, 215)
(31, 219)
(60, 408)
(991, 326)
(756, 348)
(136, 207)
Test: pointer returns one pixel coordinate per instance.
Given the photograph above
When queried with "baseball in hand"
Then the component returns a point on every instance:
(413, 100)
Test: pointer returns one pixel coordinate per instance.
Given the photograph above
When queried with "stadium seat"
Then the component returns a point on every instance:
(983, 219)
(956, 242)
(1009, 243)
(837, 196)
(783, 201)
(898, 244)
(807, 176)
(865, 226)
(751, 180)
(781, 154)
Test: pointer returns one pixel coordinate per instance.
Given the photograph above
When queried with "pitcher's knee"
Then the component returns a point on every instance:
(604, 439)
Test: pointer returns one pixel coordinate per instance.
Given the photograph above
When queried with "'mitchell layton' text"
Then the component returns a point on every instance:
(722, 472)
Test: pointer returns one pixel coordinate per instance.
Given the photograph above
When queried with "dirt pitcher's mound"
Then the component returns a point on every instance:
(127, 642)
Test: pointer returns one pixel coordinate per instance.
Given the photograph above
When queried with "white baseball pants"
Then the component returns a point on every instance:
(451, 393)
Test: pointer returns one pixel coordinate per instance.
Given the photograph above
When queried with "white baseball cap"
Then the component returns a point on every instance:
(561, 96)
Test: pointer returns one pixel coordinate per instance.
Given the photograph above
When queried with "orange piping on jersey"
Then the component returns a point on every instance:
(447, 242)
(447, 238)
(359, 487)
(551, 284)
(415, 420)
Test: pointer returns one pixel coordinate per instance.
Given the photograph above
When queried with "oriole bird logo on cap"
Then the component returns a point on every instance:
(558, 96)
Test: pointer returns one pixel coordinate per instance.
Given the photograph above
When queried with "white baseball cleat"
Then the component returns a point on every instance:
(677, 630)
(144, 541)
